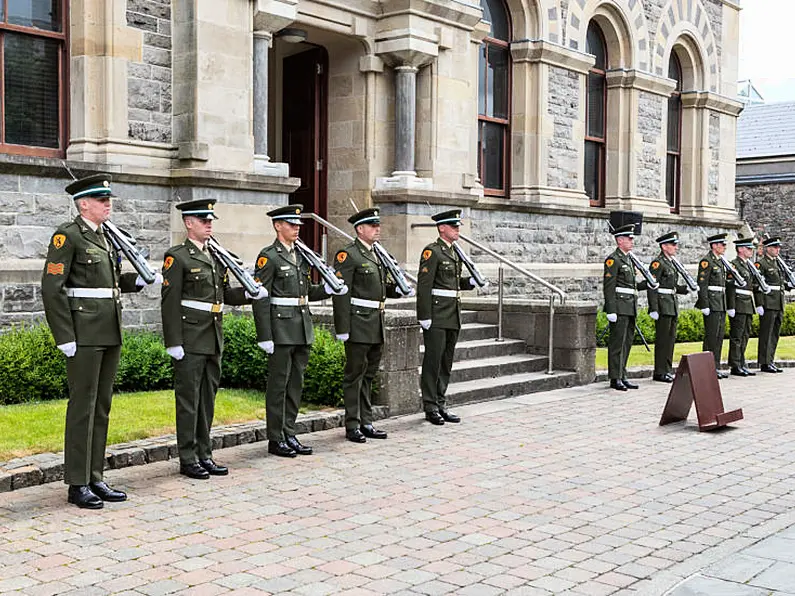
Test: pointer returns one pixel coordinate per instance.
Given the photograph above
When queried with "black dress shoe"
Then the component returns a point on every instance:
(662, 378)
(372, 433)
(670, 377)
(617, 384)
(722, 375)
(213, 469)
(778, 368)
(82, 496)
(296, 446)
(449, 416)
(434, 418)
(738, 372)
(194, 470)
(629, 385)
(768, 368)
(281, 449)
(354, 435)
(749, 373)
(106, 493)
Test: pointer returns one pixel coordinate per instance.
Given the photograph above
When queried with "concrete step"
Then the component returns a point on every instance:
(472, 331)
(507, 386)
(500, 366)
(469, 316)
(485, 348)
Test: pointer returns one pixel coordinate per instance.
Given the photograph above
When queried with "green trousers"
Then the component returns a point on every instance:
(664, 341)
(90, 374)
(196, 380)
(622, 334)
(361, 366)
(769, 329)
(286, 368)
(739, 332)
(714, 330)
(436, 366)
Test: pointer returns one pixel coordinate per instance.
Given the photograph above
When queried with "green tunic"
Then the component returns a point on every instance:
(621, 298)
(663, 301)
(712, 295)
(740, 300)
(770, 322)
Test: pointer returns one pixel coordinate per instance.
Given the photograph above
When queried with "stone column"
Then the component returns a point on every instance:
(262, 42)
(405, 119)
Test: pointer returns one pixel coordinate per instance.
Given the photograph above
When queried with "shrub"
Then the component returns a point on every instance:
(31, 367)
(690, 326)
(323, 380)
(244, 364)
(144, 364)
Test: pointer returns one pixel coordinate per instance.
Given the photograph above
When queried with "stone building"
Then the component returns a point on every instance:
(766, 171)
(535, 116)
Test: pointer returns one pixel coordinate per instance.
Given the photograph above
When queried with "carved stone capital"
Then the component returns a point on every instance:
(272, 15)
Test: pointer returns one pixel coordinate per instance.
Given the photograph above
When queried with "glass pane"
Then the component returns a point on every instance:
(593, 171)
(674, 117)
(672, 179)
(482, 79)
(499, 59)
(596, 105)
(493, 155)
(494, 12)
(481, 129)
(675, 71)
(42, 14)
(31, 90)
(595, 44)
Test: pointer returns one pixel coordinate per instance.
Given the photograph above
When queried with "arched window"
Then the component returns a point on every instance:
(596, 117)
(494, 105)
(673, 166)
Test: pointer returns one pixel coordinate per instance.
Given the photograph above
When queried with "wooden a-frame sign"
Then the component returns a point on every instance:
(696, 381)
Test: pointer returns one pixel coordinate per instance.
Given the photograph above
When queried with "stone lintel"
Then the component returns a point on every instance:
(643, 81)
(539, 50)
(713, 101)
(462, 14)
(272, 15)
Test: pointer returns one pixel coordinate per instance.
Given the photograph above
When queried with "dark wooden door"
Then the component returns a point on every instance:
(304, 133)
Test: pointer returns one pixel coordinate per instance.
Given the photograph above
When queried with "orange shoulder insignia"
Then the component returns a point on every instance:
(426, 254)
(58, 240)
(655, 264)
(704, 264)
(168, 263)
(609, 262)
(261, 262)
(55, 268)
(758, 265)
(341, 256)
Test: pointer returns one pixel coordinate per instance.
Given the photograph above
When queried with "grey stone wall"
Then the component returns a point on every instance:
(713, 181)
(715, 14)
(149, 81)
(564, 107)
(768, 208)
(650, 115)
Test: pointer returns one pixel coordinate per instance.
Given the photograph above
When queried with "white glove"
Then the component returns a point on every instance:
(69, 349)
(705, 311)
(412, 292)
(176, 352)
(343, 290)
(760, 310)
(343, 336)
(261, 293)
(612, 317)
(654, 315)
(267, 346)
(425, 324)
(139, 281)
(731, 312)
(474, 284)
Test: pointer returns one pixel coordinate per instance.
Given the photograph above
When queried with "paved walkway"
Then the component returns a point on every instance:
(576, 491)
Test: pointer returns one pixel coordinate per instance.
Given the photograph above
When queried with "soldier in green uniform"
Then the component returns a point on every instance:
(359, 321)
(284, 328)
(740, 307)
(439, 313)
(621, 306)
(80, 287)
(664, 307)
(195, 290)
(770, 307)
(712, 298)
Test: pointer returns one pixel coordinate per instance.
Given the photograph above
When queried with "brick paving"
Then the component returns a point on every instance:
(576, 491)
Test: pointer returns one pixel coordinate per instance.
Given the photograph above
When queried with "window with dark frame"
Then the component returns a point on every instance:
(494, 100)
(673, 164)
(33, 83)
(596, 117)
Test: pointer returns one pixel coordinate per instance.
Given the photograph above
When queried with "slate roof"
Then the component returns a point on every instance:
(766, 130)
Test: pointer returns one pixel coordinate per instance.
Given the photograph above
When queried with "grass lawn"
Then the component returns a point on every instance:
(640, 357)
(26, 429)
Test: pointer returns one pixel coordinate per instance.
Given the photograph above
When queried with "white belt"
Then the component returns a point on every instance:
(290, 301)
(744, 292)
(445, 293)
(716, 288)
(775, 288)
(626, 291)
(665, 291)
(205, 306)
(92, 292)
(367, 303)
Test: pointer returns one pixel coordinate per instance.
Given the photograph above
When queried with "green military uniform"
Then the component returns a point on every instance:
(621, 298)
(712, 296)
(438, 283)
(195, 290)
(284, 318)
(740, 302)
(359, 318)
(663, 301)
(773, 304)
(81, 287)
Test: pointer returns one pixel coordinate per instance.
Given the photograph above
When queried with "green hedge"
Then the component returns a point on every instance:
(33, 369)
(690, 327)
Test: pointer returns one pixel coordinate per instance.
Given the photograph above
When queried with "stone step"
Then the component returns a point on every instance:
(507, 386)
(485, 348)
(500, 366)
(469, 316)
(472, 331)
